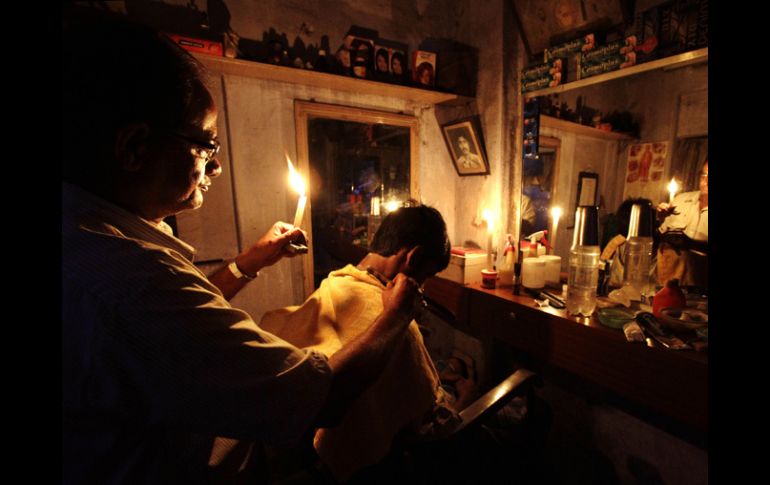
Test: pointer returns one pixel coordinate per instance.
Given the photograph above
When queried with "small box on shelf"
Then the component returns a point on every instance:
(424, 68)
(193, 44)
(465, 265)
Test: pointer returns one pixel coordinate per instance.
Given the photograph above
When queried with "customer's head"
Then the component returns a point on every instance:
(138, 122)
(420, 228)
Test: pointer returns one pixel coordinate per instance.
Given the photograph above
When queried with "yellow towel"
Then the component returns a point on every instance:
(345, 305)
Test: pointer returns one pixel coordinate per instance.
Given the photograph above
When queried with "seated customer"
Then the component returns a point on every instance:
(413, 241)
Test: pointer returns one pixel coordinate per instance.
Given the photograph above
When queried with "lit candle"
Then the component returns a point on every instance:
(555, 215)
(392, 205)
(672, 188)
(487, 215)
(296, 182)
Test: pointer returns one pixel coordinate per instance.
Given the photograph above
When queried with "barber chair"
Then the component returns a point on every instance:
(470, 448)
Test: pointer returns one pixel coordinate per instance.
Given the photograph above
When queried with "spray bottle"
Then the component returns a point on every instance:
(534, 243)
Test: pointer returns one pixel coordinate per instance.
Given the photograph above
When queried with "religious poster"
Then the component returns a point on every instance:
(644, 171)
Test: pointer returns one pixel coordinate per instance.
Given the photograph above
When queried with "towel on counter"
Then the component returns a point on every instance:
(344, 306)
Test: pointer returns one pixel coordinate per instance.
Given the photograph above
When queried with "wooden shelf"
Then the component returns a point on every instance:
(685, 59)
(272, 72)
(578, 129)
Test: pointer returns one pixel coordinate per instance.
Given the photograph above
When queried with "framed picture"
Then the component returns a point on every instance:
(466, 146)
(588, 187)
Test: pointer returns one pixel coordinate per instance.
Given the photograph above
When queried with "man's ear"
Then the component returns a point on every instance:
(130, 145)
(415, 257)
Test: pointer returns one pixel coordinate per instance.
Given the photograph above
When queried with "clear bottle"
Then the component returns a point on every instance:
(506, 266)
(583, 280)
(638, 253)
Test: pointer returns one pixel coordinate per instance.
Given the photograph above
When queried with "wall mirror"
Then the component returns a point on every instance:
(539, 186)
(671, 107)
(360, 164)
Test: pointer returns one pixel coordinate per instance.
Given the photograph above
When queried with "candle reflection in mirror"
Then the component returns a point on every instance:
(673, 187)
(555, 215)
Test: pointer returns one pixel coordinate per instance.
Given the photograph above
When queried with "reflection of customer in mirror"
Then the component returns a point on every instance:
(467, 159)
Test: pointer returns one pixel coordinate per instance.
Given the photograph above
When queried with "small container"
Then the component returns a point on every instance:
(533, 273)
(670, 296)
(552, 270)
(488, 278)
(583, 280)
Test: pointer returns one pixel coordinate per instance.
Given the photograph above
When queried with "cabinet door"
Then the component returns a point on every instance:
(211, 228)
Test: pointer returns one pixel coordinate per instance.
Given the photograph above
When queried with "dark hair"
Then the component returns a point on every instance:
(401, 58)
(408, 227)
(116, 72)
(425, 66)
(624, 212)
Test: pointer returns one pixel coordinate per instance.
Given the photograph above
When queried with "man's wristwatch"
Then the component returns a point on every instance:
(236, 271)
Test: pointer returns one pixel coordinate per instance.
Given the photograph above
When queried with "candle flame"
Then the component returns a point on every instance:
(295, 179)
(487, 215)
(673, 187)
(392, 205)
(556, 213)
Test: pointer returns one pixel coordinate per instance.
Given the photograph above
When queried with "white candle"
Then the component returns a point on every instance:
(298, 184)
(300, 210)
(672, 188)
(555, 215)
(487, 215)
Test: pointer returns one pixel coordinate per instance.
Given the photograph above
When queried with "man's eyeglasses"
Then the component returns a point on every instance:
(207, 150)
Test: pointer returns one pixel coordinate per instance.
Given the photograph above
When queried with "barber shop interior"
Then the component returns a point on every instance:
(385, 241)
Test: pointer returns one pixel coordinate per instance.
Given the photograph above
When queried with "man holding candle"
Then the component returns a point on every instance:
(684, 236)
(155, 361)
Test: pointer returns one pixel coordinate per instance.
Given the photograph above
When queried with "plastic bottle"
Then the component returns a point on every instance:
(583, 280)
(507, 265)
(637, 268)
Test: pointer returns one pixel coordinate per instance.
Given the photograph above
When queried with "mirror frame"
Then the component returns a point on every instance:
(304, 111)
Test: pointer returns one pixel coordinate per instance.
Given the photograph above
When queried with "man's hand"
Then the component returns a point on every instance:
(401, 296)
(664, 210)
(270, 248)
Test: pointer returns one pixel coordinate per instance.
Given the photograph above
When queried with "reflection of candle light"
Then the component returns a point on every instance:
(375, 209)
(296, 182)
(392, 205)
(487, 215)
(555, 215)
(672, 188)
